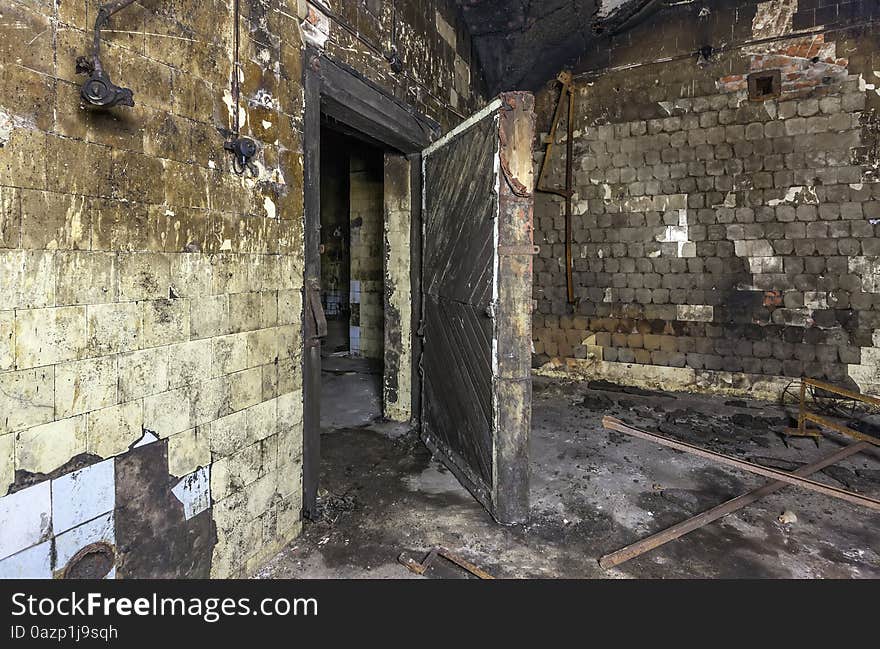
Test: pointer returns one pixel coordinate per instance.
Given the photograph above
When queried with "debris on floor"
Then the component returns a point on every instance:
(593, 492)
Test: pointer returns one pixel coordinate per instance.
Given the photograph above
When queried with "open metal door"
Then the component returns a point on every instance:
(477, 303)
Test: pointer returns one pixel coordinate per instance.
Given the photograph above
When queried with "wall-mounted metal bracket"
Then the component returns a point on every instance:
(98, 90)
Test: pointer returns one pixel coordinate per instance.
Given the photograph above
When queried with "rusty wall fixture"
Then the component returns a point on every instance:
(95, 561)
(243, 149)
(98, 90)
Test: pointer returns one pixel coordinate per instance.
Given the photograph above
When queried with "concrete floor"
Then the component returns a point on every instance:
(593, 491)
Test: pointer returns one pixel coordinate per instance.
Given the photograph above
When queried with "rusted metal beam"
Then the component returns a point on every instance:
(612, 423)
(735, 504)
(420, 568)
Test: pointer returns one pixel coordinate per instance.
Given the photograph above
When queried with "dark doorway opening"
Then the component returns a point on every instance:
(352, 286)
(337, 96)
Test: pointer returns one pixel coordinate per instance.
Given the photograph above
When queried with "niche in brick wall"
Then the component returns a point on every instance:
(764, 85)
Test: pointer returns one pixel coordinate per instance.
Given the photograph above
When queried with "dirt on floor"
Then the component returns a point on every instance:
(594, 491)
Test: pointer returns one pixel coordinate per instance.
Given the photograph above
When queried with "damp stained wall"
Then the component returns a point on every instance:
(720, 243)
(150, 298)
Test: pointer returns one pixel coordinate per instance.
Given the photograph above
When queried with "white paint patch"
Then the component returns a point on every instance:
(10, 122)
(609, 296)
(230, 108)
(194, 491)
(315, 28)
(83, 495)
(264, 98)
(148, 438)
(774, 18)
(680, 235)
(803, 195)
(695, 312)
(608, 7)
(816, 300)
(25, 518)
(269, 206)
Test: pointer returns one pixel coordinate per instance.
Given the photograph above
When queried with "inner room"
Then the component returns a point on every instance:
(352, 279)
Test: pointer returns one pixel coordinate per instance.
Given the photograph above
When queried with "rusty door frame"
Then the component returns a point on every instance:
(336, 90)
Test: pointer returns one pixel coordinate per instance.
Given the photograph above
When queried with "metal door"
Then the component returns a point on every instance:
(477, 303)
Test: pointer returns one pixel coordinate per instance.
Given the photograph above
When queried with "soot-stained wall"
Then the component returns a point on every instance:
(720, 242)
(151, 296)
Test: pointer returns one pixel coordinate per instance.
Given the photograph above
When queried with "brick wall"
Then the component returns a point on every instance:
(148, 293)
(720, 242)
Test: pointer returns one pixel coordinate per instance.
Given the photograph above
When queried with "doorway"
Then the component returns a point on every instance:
(384, 312)
(455, 279)
(352, 279)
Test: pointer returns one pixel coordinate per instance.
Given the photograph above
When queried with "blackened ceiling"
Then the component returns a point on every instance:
(524, 43)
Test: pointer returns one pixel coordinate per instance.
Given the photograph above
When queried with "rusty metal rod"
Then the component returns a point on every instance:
(569, 192)
(612, 423)
(735, 504)
(565, 96)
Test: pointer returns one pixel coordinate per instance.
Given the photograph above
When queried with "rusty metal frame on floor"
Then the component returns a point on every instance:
(338, 91)
(782, 479)
(804, 415)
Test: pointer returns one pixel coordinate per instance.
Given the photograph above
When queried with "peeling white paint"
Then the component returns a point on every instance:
(10, 122)
(148, 438)
(801, 195)
(608, 7)
(194, 491)
(230, 108)
(680, 235)
(315, 29)
(774, 18)
(695, 312)
(269, 206)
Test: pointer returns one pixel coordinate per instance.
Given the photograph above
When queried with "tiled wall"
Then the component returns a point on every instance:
(147, 292)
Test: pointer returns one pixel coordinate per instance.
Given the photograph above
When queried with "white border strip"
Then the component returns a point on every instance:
(443, 141)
